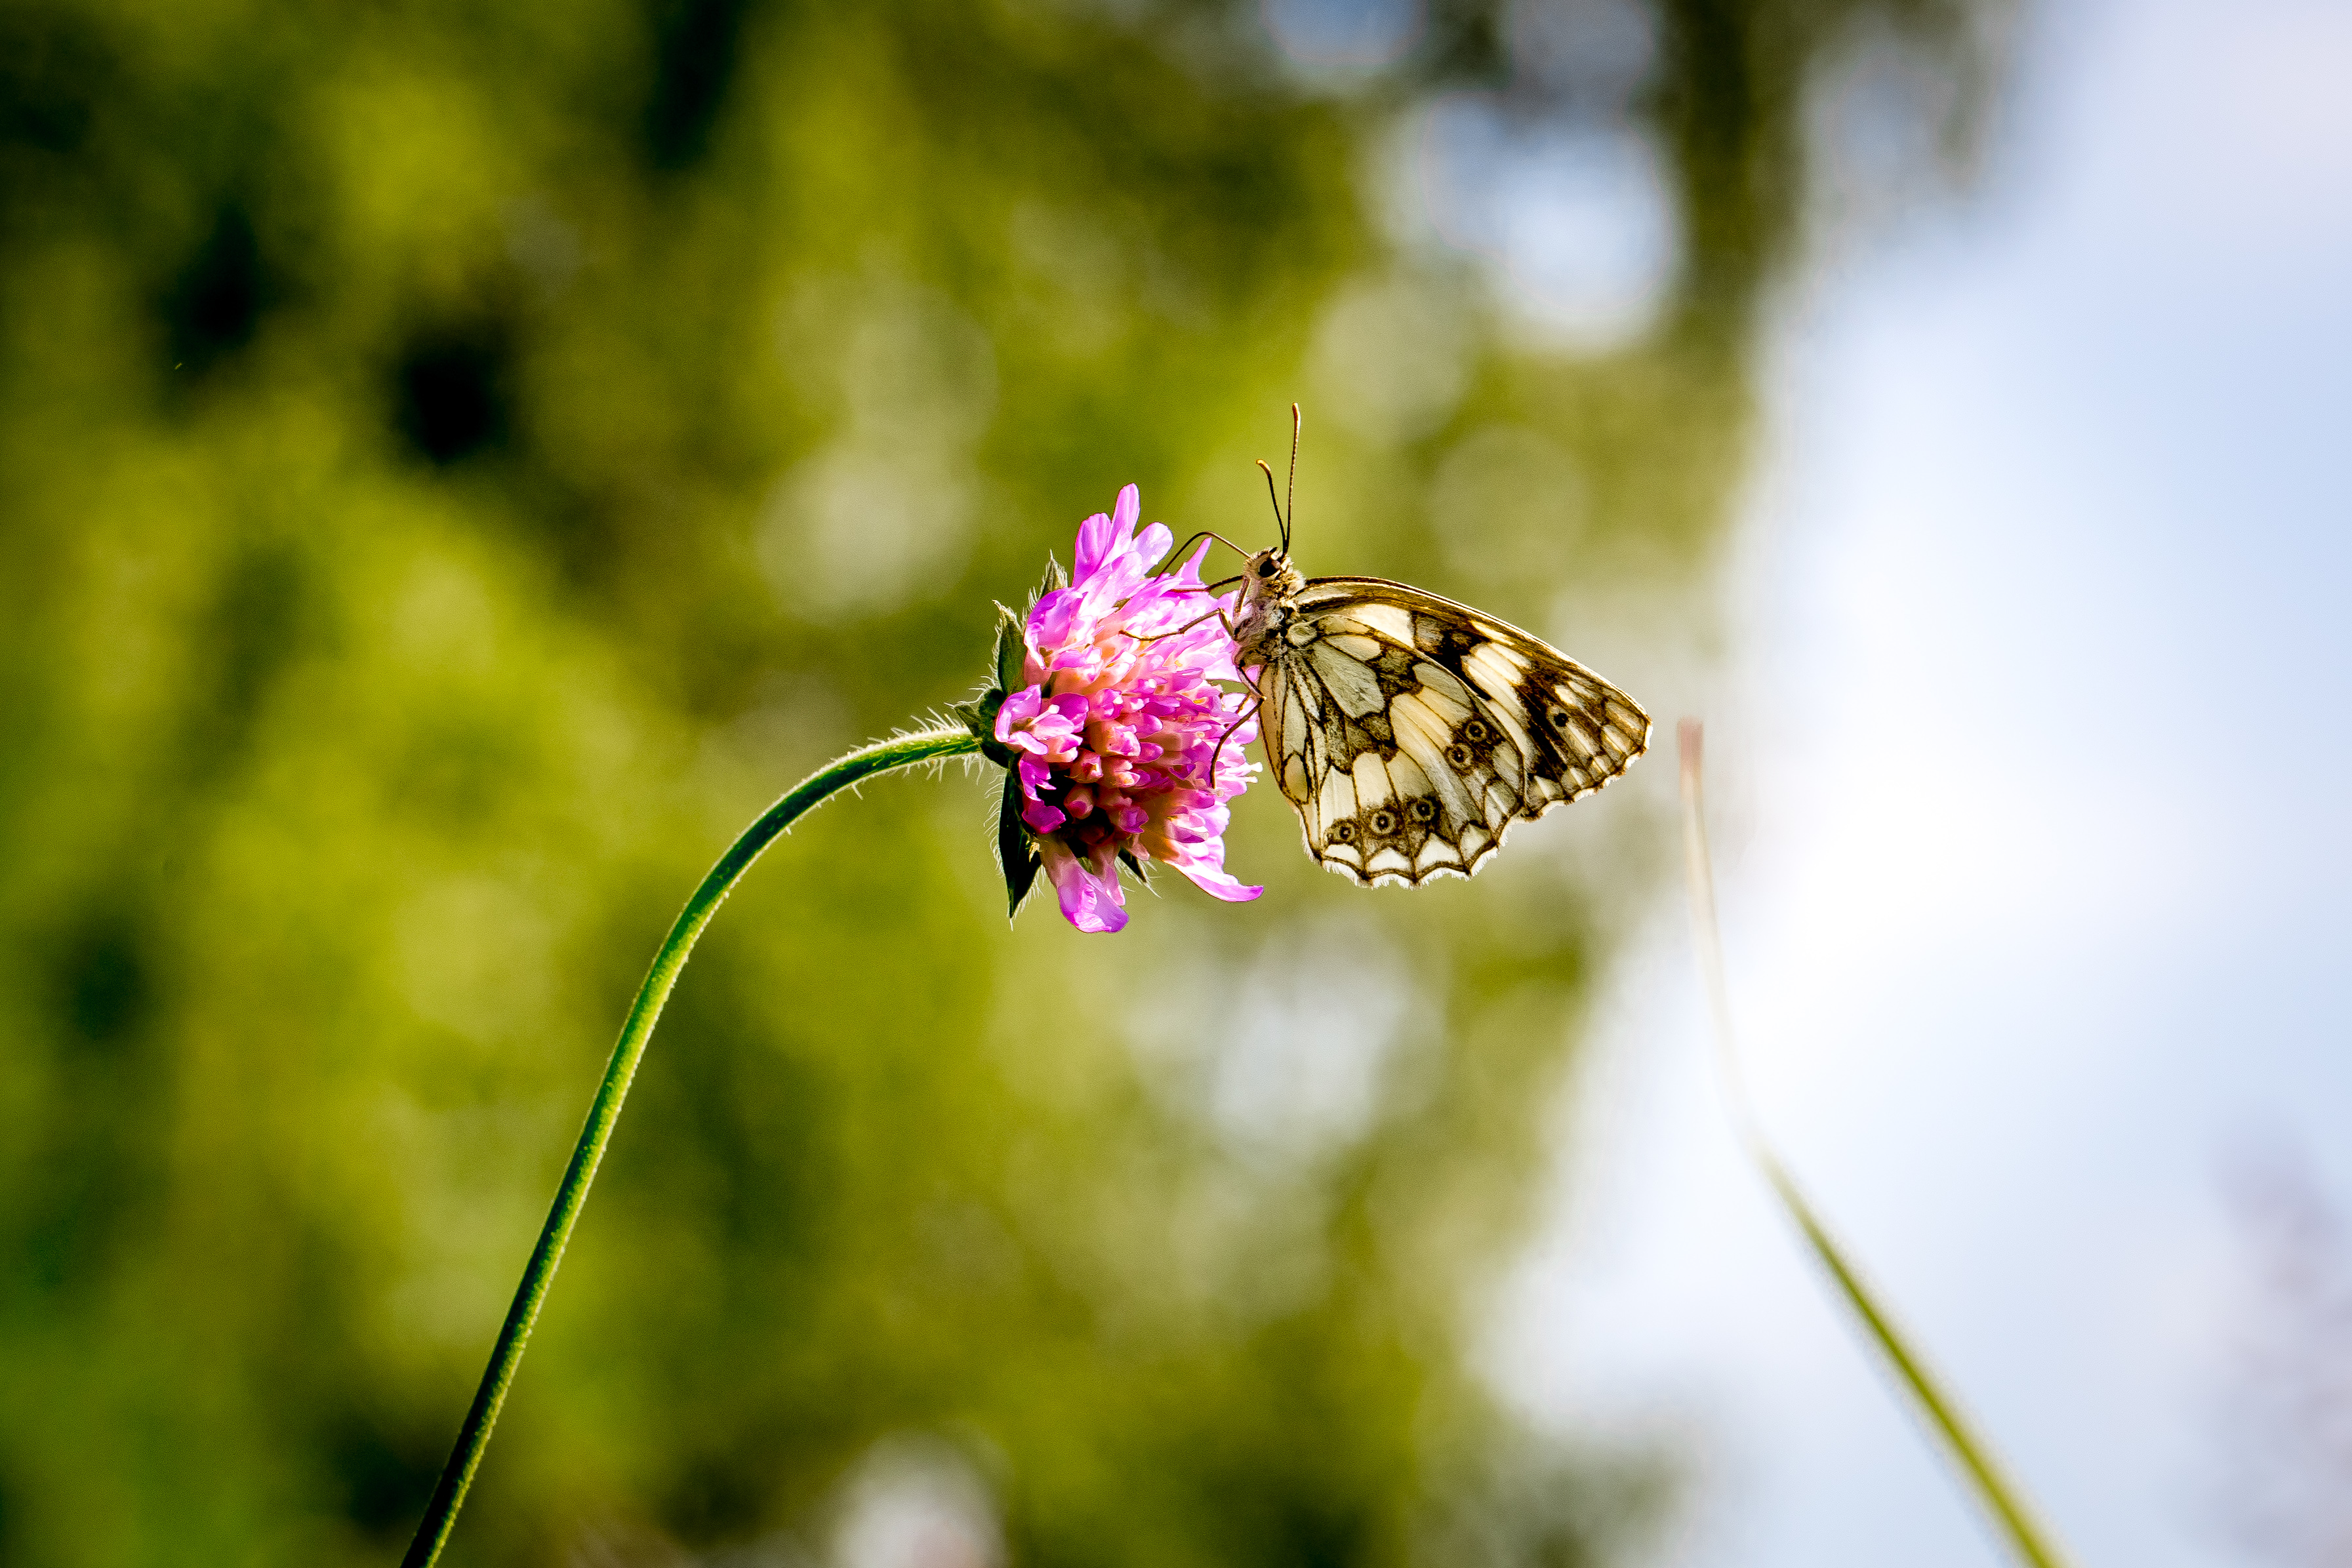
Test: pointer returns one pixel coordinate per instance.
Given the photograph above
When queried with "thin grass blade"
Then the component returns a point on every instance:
(2019, 1528)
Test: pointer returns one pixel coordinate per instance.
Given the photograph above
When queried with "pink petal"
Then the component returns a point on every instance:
(1095, 543)
(1019, 707)
(1213, 881)
(1050, 619)
(1152, 542)
(1090, 902)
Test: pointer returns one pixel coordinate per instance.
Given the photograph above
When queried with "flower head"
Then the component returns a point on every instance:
(1123, 746)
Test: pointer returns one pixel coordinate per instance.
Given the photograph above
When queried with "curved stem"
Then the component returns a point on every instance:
(903, 751)
(2020, 1529)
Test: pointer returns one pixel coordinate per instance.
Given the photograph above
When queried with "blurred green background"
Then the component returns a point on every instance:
(457, 464)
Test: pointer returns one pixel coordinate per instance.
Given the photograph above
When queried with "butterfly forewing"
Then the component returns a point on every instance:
(1411, 732)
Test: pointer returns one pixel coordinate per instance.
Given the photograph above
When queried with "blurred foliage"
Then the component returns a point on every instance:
(458, 462)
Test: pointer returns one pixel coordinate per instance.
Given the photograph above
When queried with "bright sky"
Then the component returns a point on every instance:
(2030, 790)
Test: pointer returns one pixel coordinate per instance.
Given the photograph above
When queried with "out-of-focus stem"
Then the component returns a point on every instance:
(2020, 1530)
(902, 751)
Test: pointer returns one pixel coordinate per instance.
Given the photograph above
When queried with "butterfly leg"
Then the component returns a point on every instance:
(1158, 636)
(1255, 708)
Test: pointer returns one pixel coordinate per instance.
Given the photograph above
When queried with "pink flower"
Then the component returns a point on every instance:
(1117, 722)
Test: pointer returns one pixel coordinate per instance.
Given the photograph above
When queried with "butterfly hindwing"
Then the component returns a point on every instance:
(1361, 752)
(1411, 732)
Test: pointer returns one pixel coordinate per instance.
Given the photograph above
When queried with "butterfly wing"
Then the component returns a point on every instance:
(1411, 732)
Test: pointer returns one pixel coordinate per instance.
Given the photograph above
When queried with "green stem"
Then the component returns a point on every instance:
(2021, 1530)
(904, 751)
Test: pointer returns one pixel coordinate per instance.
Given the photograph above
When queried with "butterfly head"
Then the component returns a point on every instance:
(1269, 575)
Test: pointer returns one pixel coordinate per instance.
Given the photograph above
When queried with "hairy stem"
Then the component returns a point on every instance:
(903, 751)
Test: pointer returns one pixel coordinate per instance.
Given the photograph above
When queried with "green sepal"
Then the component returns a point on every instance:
(1053, 582)
(1012, 649)
(1128, 858)
(1014, 853)
(979, 716)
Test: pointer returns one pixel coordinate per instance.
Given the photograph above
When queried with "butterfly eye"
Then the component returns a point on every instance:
(1475, 732)
(1265, 568)
(1422, 810)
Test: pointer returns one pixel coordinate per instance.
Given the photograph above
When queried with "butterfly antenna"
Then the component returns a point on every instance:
(1280, 521)
(1291, 502)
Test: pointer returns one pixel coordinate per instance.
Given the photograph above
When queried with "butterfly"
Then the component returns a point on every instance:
(1411, 732)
